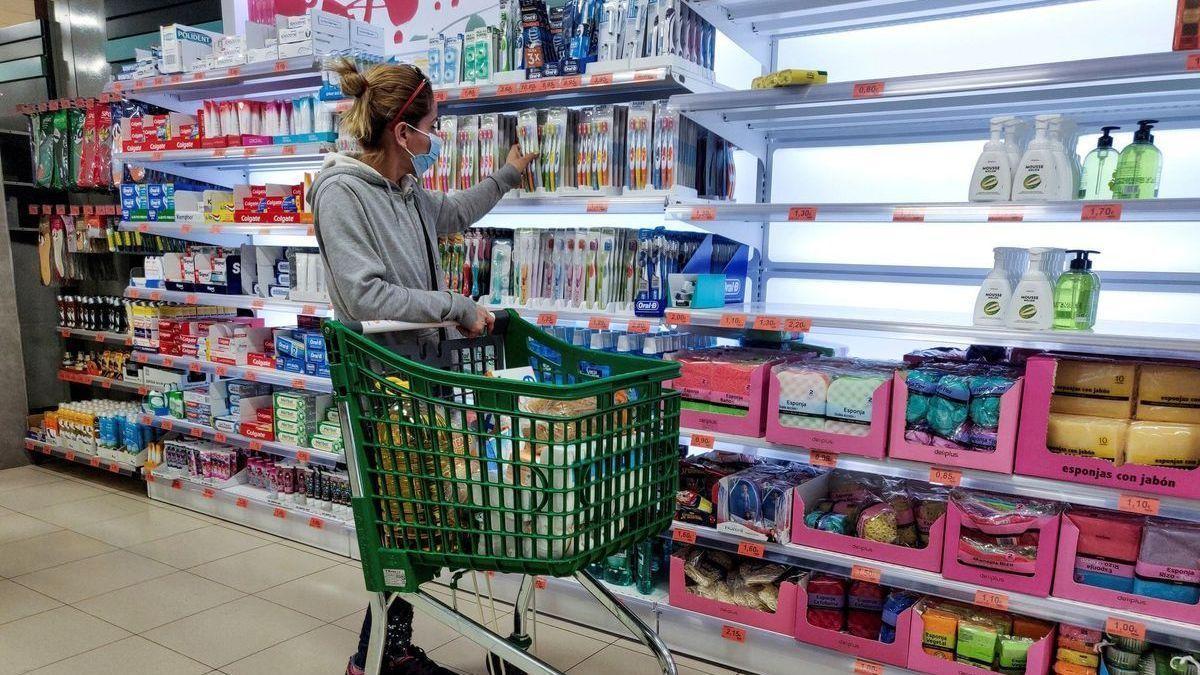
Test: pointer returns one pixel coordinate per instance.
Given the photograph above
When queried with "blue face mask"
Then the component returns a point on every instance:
(425, 161)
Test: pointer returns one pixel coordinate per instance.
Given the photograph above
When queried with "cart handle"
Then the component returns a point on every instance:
(374, 327)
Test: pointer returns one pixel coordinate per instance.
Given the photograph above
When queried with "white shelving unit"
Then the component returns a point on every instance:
(94, 460)
(104, 337)
(239, 301)
(254, 374)
(76, 377)
(194, 430)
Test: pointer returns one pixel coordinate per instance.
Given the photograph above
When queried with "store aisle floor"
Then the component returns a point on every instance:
(97, 578)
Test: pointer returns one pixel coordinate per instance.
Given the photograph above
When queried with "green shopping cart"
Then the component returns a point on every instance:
(513, 452)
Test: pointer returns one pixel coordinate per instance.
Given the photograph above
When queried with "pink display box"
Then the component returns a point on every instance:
(928, 558)
(253, 140)
(750, 424)
(1041, 656)
(1065, 586)
(782, 621)
(1006, 439)
(874, 444)
(1043, 568)
(1035, 459)
(895, 654)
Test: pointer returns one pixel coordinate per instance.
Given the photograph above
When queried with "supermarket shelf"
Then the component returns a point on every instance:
(185, 230)
(186, 428)
(250, 507)
(239, 301)
(252, 373)
(1158, 631)
(957, 105)
(233, 157)
(1146, 210)
(250, 79)
(81, 457)
(102, 382)
(1028, 486)
(96, 336)
(630, 203)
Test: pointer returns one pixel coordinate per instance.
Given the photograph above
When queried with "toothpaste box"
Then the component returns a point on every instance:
(326, 443)
(292, 439)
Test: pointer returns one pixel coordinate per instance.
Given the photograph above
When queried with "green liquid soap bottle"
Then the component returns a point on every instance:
(1076, 294)
(1139, 169)
(1099, 167)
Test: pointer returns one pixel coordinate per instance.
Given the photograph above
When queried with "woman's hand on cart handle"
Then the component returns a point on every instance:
(480, 323)
(521, 162)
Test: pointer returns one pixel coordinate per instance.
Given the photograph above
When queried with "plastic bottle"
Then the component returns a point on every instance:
(992, 179)
(1038, 174)
(991, 305)
(1076, 294)
(1015, 131)
(1099, 167)
(1032, 303)
(1139, 168)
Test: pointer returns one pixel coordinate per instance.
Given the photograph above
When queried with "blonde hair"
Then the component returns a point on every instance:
(379, 95)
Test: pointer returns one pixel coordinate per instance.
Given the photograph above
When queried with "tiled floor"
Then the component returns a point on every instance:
(96, 578)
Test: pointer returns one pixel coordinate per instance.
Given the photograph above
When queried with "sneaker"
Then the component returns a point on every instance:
(413, 661)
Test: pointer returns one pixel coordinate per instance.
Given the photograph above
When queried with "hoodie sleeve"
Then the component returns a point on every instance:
(462, 209)
(357, 280)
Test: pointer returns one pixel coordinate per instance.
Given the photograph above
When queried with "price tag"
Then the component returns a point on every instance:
(639, 326)
(176, 484)
(234, 71)
(704, 213)
(30, 445)
(308, 309)
(684, 535)
(264, 230)
(549, 84)
(208, 493)
(280, 66)
(540, 583)
(185, 228)
(104, 382)
(242, 503)
(249, 152)
(220, 437)
(644, 75)
(1146, 506)
(751, 549)
(678, 318)
(868, 89)
(506, 90)
(70, 455)
(1193, 61)
(255, 445)
(571, 81)
(469, 93)
(947, 477)
(257, 303)
(1100, 212)
(194, 366)
(547, 319)
(94, 461)
(168, 425)
(733, 633)
(177, 78)
(222, 370)
(287, 150)
(1005, 216)
(195, 432)
(149, 477)
(215, 229)
(64, 332)
(168, 361)
(597, 206)
(218, 152)
(142, 391)
(991, 600)
(75, 210)
(279, 513)
(908, 216)
(802, 213)
(33, 209)
(303, 456)
(156, 156)
(871, 575)
(98, 337)
(310, 231)
(1125, 628)
(143, 227)
(441, 96)
(599, 323)
(316, 523)
(822, 458)
(198, 75)
(731, 320)
(60, 209)
(89, 209)
(702, 441)
(250, 376)
(297, 383)
(114, 467)
(768, 323)
(141, 357)
(529, 87)
(864, 667)
(600, 78)
(156, 295)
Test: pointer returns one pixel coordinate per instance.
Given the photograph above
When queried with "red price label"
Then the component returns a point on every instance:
(140, 357)
(597, 206)
(104, 382)
(198, 75)
(730, 320)
(549, 84)
(547, 319)
(1100, 212)
(249, 152)
(194, 366)
(142, 391)
(195, 432)
(441, 96)
(599, 323)
(684, 535)
(702, 441)
(156, 295)
(469, 93)
(1125, 628)
(280, 66)
(70, 455)
(303, 456)
(168, 361)
(255, 445)
(868, 89)
(733, 633)
(704, 213)
(94, 461)
(797, 325)
(185, 228)
(64, 332)
(98, 337)
(143, 227)
(114, 467)
(768, 323)
(177, 78)
(908, 216)
(530, 87)
(242, 503)
(89, 209)
(218, 152)
(1193, 61)
(297, 383)
(316, 523)
(75, 209)
(948, 477)
(250, 376)
(1147, 506)
(222, 370)
(506, 90)
(149, 477)
(220, 437)
(33, 209)
(308, 309)
(1005, 216)
(287, 150)
(600, 78)
(751, 549)
(257, 303)
(644, 75)
(234, 71)
(571, 82)
(540, 583)
(215, 229)
(168, 425)
(871, 575)
(802, 213)
(156, 156)
(678, 318)
(208, 493)
(177, 484)
(639, 326)
(30, 445)
(991, 600)
(821, 458)
(864, 667)
(279, 513)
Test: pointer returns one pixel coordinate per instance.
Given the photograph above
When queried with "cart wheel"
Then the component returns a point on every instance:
(494, 663)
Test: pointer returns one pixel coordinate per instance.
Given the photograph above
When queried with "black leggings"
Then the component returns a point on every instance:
(399, 633)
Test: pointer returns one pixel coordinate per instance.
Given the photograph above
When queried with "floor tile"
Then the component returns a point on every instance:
(47, 550)
(615, 658)
(328, 595)
(93, 576)
(232, 631)
(18, 602)
(564, 649)
(132, 656)
(323, 651)
(197, 547)
(14, 526)
(606, 638)
(143, 606)
(84, 511)
(33, 497)
(148, 525)
(23, 476)
(461, 655)
(262, 568)
(51, 636)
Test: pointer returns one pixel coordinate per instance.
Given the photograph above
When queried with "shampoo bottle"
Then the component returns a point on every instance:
(1032, 303)
(1139, 168)
(1076, 294)
(1037, 176)
(992, 180)
(992, 302)
(1098, 168)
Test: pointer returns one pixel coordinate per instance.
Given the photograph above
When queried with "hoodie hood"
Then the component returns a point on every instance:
(339, 164)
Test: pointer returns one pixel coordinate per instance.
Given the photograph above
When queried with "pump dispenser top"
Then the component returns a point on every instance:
(1096, 181)
(1077, 294)
(1106, 139)
(1143, 135)
(1139, 169)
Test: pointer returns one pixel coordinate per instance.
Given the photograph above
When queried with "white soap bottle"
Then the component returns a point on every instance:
(1015, 131)
(991, 305)
(1032, 303)
(992, 179)
(1038, 174)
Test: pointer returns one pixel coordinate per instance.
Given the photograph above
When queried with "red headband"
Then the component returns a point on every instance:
(407, 103)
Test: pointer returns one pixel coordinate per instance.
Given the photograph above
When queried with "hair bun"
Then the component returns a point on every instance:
(353, 83)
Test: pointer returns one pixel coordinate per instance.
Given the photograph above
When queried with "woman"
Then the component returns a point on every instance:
(378, 228)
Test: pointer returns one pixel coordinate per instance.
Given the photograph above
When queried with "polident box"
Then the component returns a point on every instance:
(183, 46)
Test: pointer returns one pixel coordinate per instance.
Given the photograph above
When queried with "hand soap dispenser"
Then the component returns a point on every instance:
(1139, 168)
(1038, 175)
(1098, 168)
(992, 302)
(992, 180)
(1076, 294)
(1032, 303)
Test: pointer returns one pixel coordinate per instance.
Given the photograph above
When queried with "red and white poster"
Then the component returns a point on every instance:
(410, 23)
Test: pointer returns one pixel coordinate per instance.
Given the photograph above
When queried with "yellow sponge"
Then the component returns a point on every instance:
(1168, 394)
(1100, 388)
(1088, 436)
(1163, 444)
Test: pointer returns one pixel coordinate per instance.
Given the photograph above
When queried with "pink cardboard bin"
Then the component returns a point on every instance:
(895, 654)
(1038, 583)
(750, 424)
(1001, 460)
(1035, 459)
(1065, 586)
(1041, 656)
(928, 558)
(783, 620)
(874, 444)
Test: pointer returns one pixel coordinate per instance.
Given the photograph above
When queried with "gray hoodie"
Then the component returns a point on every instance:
(379, 240)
